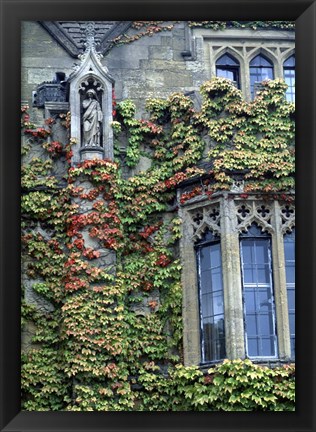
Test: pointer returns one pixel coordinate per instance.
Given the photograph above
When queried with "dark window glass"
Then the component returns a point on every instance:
(261, 69)
(289, 255)
(259, 312)
(228, 67)
(211, 298)
(289, 78)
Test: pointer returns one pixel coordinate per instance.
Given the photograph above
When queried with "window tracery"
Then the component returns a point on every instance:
(287, 214)
(253, 64)
(229, 221)
(207, 217)
(253, 211)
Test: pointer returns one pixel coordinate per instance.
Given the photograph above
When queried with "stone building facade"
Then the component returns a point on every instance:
(236, 250)
(178, 60)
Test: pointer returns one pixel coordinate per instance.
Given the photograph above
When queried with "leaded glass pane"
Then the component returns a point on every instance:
(227, 60)
(250, 300)
(291, 299)
(206, 281)
(217, 280)
(261, 69)
(267, 346)
(263, 273)
(264, 299)
(225, 73)
(265, 324)
(248, 251)
(228, 67)
(215, 255)
(260, 61)
(252, 326)
(253, 348)
(249, 273)
(290, 62)
(290, 273)
(289, 78)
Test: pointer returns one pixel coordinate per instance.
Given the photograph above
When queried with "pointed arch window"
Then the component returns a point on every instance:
(257, 285)
(289, 78)
(228, 67)
(261, 69)
(238, 280)
(211, 298)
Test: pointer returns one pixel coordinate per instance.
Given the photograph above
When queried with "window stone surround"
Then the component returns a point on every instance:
(243, 45)
(227, 215)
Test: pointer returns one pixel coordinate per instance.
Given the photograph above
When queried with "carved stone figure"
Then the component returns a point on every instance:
(91, 120)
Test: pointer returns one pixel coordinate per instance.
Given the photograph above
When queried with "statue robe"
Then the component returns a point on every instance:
(92, 120)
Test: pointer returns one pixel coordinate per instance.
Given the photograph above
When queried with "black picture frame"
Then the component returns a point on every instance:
(12, 13)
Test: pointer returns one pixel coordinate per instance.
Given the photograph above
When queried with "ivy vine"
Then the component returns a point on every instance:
(111, 335)
(139, 29)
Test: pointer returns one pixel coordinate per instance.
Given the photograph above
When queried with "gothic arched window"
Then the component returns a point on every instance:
(261, 69)
(257, 286)
(211, 298)
(238, 266)
(289, 78)
(228, 67)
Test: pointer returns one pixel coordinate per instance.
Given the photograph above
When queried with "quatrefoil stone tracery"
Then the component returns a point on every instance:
(263, 211)
(253, 211)
(214, 214)
(207, 217)
(197, 218)
(287, 213)
(246, 213)
(243, 211)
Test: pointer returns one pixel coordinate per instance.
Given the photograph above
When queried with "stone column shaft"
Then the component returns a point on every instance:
(190, 302)
(280, 295)
(234, 321)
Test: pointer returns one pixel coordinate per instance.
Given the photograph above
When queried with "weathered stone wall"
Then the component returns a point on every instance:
(41, 58)
(179, 60)
(154, 66)
(149, 67)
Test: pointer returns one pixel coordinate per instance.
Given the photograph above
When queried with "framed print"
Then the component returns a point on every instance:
(150, 246)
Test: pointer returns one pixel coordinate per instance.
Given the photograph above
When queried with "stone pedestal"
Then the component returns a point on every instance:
(88, 153)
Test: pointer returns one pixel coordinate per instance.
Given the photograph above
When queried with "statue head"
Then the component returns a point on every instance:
(91, 93)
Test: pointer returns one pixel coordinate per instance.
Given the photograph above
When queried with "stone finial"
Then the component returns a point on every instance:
(90, 42)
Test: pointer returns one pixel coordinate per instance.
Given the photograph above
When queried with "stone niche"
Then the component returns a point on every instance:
(91, 106)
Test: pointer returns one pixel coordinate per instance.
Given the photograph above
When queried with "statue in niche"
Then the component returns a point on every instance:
(91, 120)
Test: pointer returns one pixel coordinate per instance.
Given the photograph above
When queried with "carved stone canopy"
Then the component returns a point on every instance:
(91, 75)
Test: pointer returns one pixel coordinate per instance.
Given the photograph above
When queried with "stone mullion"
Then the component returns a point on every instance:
(278, 65)
(244, 74)
(280, 295)
(234, 323)
(247, 91)
(190, 304)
